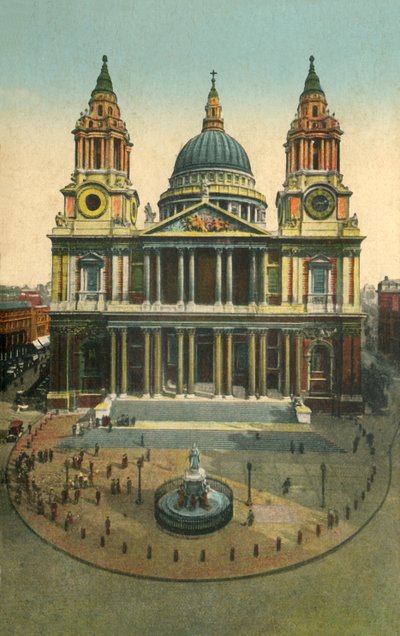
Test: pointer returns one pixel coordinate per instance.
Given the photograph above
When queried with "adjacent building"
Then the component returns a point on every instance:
(389, 318)
(206, 300)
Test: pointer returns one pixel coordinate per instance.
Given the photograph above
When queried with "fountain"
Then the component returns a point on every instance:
(193, 504)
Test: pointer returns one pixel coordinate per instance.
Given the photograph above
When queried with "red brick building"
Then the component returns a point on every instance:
(389, 318)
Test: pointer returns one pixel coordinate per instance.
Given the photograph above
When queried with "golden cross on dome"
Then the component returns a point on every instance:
(213, 73)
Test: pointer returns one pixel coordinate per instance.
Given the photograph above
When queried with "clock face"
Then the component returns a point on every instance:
(92, 202)
(319, 204)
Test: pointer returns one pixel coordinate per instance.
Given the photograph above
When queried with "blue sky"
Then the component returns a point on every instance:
(160, 55)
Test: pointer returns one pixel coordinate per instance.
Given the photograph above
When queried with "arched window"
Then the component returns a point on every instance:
(316, 147)
(315, 111)
(90, 124)
(109, 110)
(100, 110)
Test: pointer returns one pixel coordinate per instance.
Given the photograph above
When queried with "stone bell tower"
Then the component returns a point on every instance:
(314, 202)
(101, 186)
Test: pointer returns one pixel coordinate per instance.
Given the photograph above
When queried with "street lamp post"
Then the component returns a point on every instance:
(323, 477)
(139, 464)
(249, 467)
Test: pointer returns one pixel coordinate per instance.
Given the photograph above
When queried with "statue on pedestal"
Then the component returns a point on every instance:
(194, 458)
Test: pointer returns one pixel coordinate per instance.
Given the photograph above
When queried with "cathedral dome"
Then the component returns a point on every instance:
(212, 148)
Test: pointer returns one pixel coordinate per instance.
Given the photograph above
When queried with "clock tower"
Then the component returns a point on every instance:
(314, 202)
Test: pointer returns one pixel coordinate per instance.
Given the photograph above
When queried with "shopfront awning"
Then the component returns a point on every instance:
(44, 341)
(37, 344)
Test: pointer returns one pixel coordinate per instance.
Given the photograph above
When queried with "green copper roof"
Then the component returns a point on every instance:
(212, 149)
(312, 84)
(104, 83)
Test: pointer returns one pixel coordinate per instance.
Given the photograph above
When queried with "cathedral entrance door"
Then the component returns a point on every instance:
(240, 361)
(205, 358)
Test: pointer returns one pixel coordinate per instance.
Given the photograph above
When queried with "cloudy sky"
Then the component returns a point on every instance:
(160, 55)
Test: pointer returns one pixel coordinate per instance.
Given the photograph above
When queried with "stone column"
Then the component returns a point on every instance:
(191, 276)
(146, 273)
(157, 363)
(299, 362)
(181, 278)
(124, 363)
(125, 277)
(252, 281)
(113, 369)
(102, 154)
(262, 389)
(287, 363)
(301, 158)
(252, 365)
(179, 387)
(218, 363)
(218, 277)
(72, 278)
(158, 277)
(229, 278)
(229, 365)
(322, 155)
(146, 370)
(192, 360)
(115, 277)
(263, 273)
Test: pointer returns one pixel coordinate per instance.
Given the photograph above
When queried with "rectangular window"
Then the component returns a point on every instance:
(273, 280)
(319, 281)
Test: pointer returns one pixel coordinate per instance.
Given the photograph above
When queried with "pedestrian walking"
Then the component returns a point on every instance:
(77, 494)
(50, 454)
(286, 485)
(142, 440)
(53, 510)
(108, 471)
(129, 486)
(108, 525)
(91, 466)
(292, 446)
(98, 496)
(96, 449)
(113, 488)
(118, 487)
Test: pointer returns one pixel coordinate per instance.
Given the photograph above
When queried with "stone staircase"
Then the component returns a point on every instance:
(273, 441)
(195, 410)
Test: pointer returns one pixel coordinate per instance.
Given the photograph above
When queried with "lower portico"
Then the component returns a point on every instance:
(223, 361)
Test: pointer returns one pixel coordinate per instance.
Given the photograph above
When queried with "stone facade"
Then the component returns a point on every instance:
(206, 301)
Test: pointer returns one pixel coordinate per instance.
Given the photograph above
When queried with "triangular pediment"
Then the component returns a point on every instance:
(205, 218)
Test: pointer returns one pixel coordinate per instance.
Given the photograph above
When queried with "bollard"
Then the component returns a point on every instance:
(355, 505)
(124, 548)
(102, 541)
(363, 495)
(372, 477)
(347, 512)
(202, 555)
(83, 533)
(232, 554)
(255, 550)
(318, 529)
(299, 537)
(149, 551)
(278, 544)
(176, 556)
